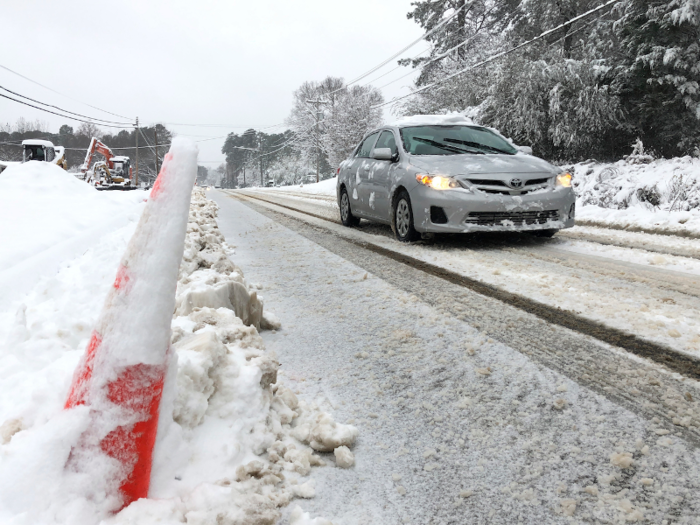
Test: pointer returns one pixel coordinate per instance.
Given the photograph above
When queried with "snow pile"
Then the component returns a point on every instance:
(325, 187)
(640, 193)
(227, 448)
(239, 443)
(47, 216)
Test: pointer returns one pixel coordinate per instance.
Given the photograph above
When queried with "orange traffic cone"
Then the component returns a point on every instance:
(122, 373)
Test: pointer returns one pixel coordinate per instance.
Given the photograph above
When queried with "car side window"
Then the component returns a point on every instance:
(366, 147)
(387, 140)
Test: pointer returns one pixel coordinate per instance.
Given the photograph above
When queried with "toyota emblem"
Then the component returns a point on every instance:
(516, 183)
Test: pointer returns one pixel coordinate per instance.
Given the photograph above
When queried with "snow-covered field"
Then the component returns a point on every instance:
(234, 445)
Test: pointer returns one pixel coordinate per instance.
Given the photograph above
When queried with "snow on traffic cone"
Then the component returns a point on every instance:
(122, 373)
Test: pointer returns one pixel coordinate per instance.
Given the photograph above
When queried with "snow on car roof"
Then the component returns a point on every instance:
(432, 120)
(37, 142)
(120, 159)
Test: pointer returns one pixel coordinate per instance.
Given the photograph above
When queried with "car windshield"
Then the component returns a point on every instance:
(453, 140)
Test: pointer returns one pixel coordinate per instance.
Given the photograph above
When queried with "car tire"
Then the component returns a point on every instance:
(402, 218)
(346, 216)
(544, 233)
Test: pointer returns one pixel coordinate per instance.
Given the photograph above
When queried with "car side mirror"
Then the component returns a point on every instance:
(382, 154)
(527, 150)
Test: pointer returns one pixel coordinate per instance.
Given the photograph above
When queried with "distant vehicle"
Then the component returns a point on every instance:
(217, 186)
(44, 151)
(270, 184)
(114, 173)
(435, 174)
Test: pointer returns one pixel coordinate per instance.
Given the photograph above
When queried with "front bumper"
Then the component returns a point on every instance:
(472, 211)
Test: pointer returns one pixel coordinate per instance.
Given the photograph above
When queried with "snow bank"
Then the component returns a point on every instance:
(325, 187)
(640, 193)
(226, 450)
(47, 216)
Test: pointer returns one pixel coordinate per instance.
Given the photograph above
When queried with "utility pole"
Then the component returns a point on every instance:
(136, 175)
(155, 134)
(260, 147)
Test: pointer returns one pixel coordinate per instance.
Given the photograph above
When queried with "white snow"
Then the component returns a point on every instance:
(325, 187)
(47, 217)
(453, 118)
(225, 442)
(640, 192)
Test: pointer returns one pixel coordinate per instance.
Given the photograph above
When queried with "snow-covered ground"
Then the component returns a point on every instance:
(456, 426)
(50, 217)
(650, 291)
(233, 443)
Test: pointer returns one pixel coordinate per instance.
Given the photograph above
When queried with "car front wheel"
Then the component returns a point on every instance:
(402, 221)
(346, 216)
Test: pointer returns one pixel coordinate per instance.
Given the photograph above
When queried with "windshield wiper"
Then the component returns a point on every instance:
(478, 145)
(447, 147)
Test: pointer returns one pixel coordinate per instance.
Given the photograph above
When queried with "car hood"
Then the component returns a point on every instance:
(482, 164)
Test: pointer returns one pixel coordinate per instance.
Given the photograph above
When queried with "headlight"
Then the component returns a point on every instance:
(437, 182)
(564, 180)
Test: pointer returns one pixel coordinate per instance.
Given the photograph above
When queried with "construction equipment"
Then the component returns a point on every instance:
(114, 173)
(45, 151)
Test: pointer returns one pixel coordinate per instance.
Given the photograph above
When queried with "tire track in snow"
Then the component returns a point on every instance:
(669, 357)
(611, 237)
(546, 334)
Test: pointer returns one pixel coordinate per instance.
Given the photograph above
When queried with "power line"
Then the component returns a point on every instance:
(220, 125)
(64, 116)
(100, 121)
(59, 93)
(498, 55)
(409, 46)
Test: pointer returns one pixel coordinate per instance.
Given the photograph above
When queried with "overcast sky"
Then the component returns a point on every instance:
(232, 63)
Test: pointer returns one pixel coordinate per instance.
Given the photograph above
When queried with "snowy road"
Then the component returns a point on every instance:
(470, 410)
(641, 292)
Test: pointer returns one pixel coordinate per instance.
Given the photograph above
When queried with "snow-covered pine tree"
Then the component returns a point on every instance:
(659, 77)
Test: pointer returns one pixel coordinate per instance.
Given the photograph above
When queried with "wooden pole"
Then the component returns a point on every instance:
(136, 174)
(155, 133)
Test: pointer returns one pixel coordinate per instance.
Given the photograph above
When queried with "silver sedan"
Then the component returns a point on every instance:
(451, 178)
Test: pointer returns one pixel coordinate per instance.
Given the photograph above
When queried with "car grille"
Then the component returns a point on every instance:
(486, 182)
(489, 218)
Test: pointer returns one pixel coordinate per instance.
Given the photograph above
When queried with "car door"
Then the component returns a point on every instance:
(360, 177)
(380, 177)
